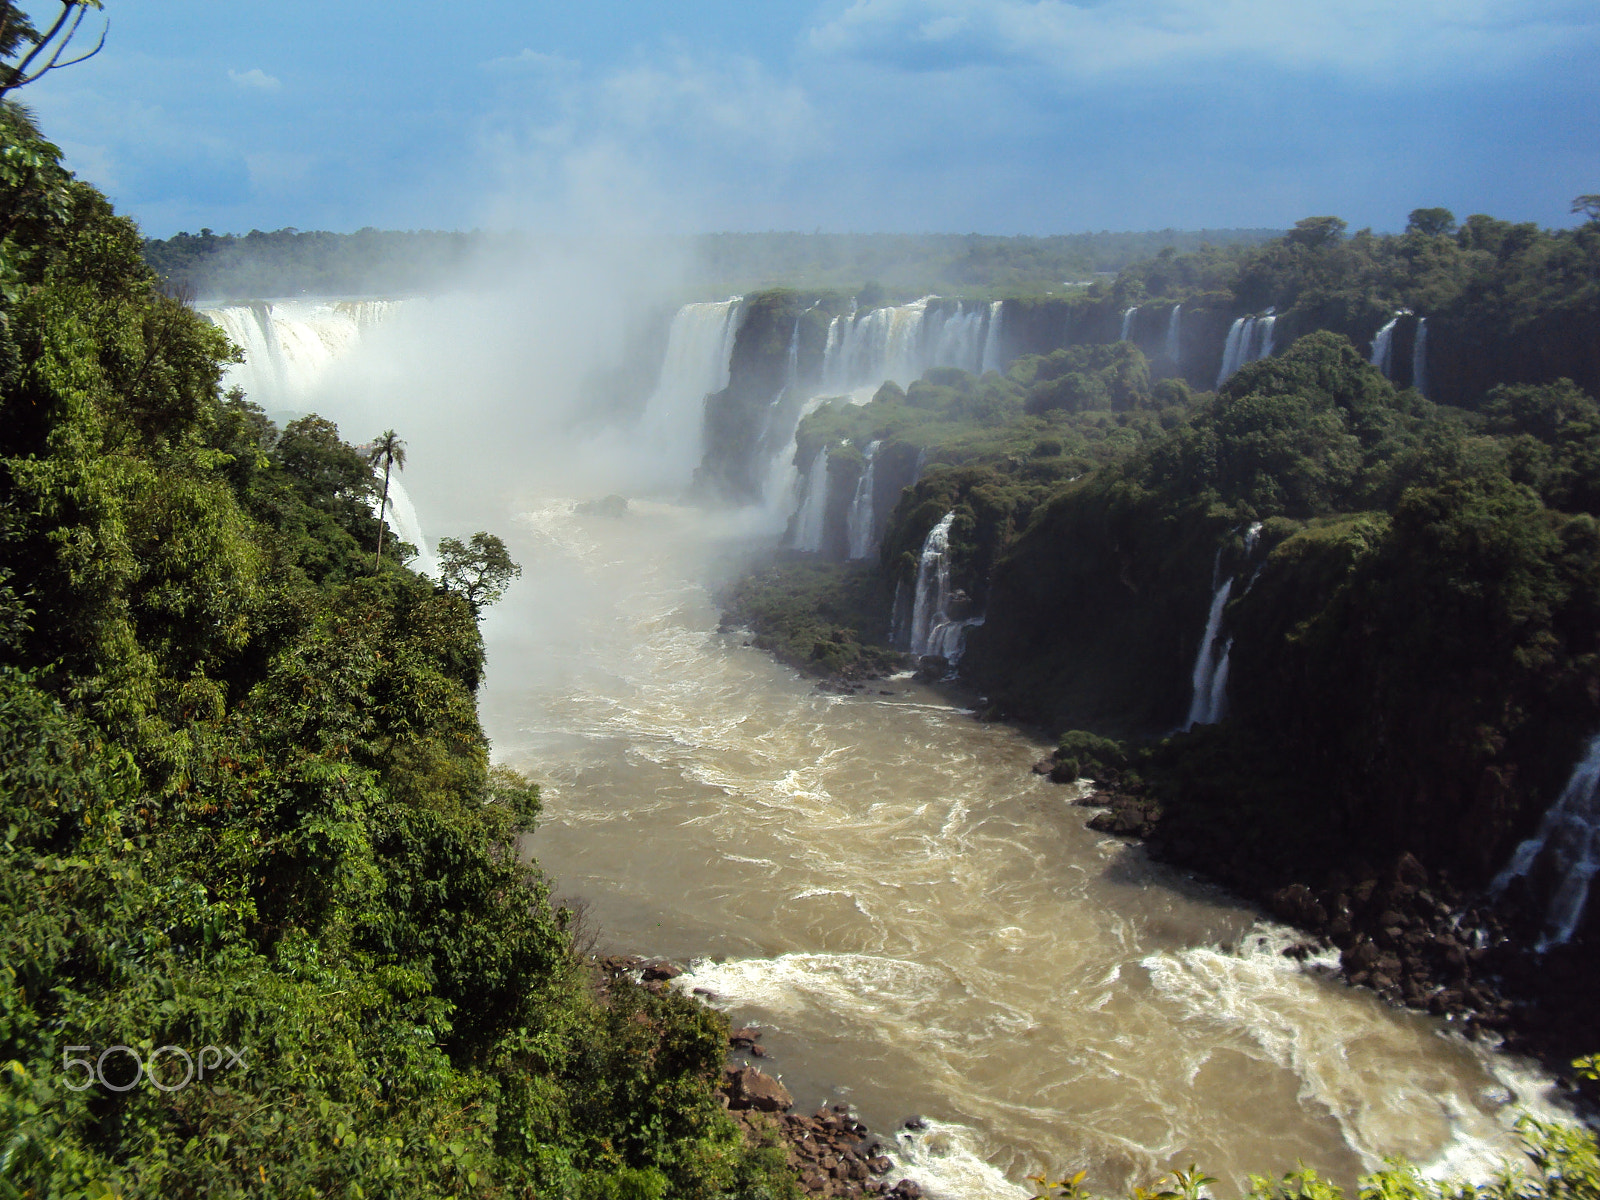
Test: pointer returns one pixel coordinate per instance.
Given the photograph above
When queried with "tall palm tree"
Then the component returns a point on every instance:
(390, 451)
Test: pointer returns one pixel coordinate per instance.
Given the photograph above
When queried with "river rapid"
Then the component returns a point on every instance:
(920, 924)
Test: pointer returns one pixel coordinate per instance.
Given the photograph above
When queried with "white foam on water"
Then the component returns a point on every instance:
(945, 1161)
(1336, 1042)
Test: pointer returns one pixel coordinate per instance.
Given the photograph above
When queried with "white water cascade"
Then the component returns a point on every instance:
(808, 520)
(860, 525)
(1383, 344)
(899, 343)
(289, 345)
(1208, 703)
(933, 632)
(1419, 357)
(1127, 322)
(402, 518)
(699, 347)
(1568, 840)
(1249, 338)
(991, 338)
(1172, 347)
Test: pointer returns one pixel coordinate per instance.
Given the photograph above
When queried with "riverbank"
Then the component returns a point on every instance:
(1411, 936)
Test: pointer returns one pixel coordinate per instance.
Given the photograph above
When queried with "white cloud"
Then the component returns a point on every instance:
(532, 60)
(255, 79)
(1373, 39)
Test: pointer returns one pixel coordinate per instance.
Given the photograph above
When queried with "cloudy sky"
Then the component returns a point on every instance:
(994, 116)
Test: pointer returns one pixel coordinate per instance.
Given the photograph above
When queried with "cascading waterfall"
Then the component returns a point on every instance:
(1383, 344)
(860, 525)
(1568, 844)
(1210, 683)
(933, 631)
(1249, 338)
(957, 339)
(1172, 345)
(1419, 357)
(808, 521)
(1208, 703)
(991, 339)
(288, 345)
(402, 518)
(699, 347)
(1127, 322)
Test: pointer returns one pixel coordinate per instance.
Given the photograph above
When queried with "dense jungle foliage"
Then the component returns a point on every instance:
(247, 809)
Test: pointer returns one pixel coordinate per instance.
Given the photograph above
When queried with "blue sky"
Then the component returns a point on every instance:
(994, 116)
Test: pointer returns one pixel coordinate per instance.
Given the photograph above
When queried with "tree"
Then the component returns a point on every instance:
(391, 452)
(45, 49)
(479, 570)
(1432, 221)
(1588, 205)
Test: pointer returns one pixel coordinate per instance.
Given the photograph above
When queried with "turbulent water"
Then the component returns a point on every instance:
(921, 924)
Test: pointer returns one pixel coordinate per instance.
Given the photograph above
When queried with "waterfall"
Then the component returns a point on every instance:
(957, 341)
(1264, 330)
(1208, 702)
(1419, 357)
(933, 631)
(1172, 347)
(860, 525)
(1249, 339)
(808, 521)
(1238, 332)
(1208, 698)
(699, 346)
(402, 518)
(289, 345)
(1127, 322)
(884, 343)
(792, 369)
(991, 339)
(1383, 344)
(1568, 840)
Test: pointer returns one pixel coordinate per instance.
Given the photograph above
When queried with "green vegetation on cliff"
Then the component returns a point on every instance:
(249, 833)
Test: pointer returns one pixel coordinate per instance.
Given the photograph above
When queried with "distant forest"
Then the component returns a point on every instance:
(290, 262)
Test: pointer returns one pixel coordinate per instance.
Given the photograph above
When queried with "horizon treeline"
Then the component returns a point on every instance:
(290, 262)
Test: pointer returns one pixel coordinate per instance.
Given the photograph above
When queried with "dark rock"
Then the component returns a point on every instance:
(915, 1122)
(909, 1189)
(747, 1035)
(759, 1052)
(661, 970)
(1044, 766)
(880, 1164)
(1410, 872)
(749, 1088)
(1297, 906)
(932, 667)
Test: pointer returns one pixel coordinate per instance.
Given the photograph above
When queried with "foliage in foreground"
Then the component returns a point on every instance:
(264, 928)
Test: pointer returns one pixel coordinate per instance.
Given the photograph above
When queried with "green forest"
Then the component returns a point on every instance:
(1411, 632)
(248, 811)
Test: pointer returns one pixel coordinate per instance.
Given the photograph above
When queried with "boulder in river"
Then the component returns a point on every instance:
(749, 1088)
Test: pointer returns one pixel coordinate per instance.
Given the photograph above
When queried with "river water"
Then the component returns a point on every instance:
(920, 924)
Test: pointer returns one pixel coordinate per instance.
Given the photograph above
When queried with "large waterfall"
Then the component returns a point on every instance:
(1127, 323)
(1249, 338)
(1567, 846)
(1208, 701)
(289, 345)
(860, 527)
(809, 519)
(1172, 348)
(402, 518)
(1383, 344)
(901, 342)
(933, 630)
(699, 347)
(1419, 357)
